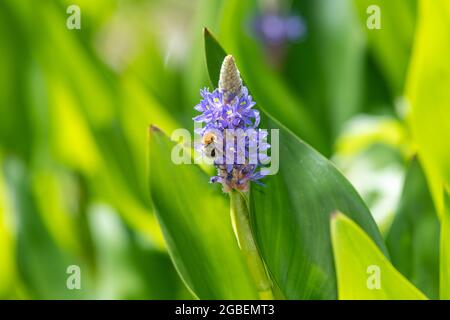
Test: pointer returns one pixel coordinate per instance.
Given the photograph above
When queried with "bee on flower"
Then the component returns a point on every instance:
(230, 135)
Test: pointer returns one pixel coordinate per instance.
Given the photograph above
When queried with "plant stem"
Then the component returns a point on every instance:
(240, 220)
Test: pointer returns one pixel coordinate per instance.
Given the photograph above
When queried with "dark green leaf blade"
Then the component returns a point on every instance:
(291, 218)
(196, 226)
(413, 239)
(215, 56)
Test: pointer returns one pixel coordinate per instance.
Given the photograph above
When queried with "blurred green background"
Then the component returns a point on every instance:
(75, 106)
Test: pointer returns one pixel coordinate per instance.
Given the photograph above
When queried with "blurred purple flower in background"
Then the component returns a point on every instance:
(277, 29)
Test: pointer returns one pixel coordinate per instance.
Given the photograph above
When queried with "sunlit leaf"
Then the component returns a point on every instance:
(363, 272)
(72, 141)
(362, 132)
(427, 91)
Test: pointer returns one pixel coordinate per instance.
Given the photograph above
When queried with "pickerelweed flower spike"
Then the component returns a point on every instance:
(230, 135)
(230, 83)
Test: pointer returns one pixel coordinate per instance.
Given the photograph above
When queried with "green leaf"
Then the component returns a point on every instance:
(413, 239)
(427, 91)
(391, 50)
(215, 55)
(291, 216)
(363, 272)
(444, 287)
(195, 219)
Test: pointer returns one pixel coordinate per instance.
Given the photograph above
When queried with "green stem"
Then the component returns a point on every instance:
(240, 219)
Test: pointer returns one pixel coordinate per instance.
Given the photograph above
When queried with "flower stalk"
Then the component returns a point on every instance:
(228, 112)
(240, 220)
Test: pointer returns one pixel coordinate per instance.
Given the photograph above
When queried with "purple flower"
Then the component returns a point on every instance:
(230, 134)
(220, 115)
(276, 29)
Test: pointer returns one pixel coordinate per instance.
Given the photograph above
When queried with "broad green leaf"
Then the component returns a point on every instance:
(444, 287)
(291, 216)
(428, 93)
(413, 239)
(363, 272)
(195, 220)
(391, 50)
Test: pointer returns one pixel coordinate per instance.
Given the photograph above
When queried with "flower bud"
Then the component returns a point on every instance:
(230, 82)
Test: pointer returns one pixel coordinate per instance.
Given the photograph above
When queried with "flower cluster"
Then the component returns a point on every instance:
(220, 115)
(230, 134)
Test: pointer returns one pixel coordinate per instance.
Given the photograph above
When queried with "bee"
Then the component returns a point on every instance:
(210, 147)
